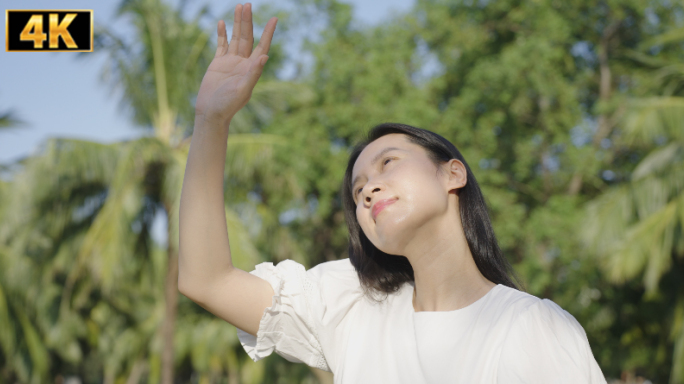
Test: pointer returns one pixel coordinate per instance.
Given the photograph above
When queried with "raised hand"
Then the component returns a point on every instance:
(228, 83)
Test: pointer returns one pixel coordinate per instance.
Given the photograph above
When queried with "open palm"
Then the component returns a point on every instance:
(228, 83)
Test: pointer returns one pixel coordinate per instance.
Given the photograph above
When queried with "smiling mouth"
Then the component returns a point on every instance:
(381, 206)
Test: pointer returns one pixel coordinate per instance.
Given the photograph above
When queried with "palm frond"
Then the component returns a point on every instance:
(659, 161)
(654, 119)
(162, 69)
(672, 36)
(246, 153)
(269, 97)
(635, 227)
(9, 120)
(677, 334)
(107, 247)
(40, 358)
(7, 336)
(243, 253)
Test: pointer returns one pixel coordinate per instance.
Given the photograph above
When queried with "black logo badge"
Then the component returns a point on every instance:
(61, 30)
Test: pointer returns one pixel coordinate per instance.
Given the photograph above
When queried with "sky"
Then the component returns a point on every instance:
(57, 94)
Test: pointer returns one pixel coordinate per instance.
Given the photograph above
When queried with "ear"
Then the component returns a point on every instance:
(456, 174)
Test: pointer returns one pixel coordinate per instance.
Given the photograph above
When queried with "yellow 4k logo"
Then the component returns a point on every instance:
(34, 31)
(49, 30)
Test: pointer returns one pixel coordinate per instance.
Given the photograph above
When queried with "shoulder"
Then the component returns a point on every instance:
(292, 271)
(546, 342)
(537, 317)
(515, 301)
(331, 270)
(338, 297)
(337, 283)
(526, 307)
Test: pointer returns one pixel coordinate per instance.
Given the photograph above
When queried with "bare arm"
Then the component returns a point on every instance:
(206, 272)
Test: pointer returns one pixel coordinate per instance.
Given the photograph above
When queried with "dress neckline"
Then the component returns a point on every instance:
(465, 309)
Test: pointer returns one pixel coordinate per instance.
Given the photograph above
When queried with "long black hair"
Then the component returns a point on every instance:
(383, 273)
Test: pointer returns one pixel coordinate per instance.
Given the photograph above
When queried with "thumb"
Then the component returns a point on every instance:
(255, 70)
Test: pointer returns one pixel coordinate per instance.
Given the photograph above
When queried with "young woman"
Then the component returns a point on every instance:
(425, 296)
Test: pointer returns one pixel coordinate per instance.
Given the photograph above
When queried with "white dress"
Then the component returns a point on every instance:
(321, 318)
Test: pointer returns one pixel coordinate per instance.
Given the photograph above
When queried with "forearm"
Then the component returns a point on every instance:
(204, 252)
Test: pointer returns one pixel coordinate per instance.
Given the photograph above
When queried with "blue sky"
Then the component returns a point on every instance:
(58, 95)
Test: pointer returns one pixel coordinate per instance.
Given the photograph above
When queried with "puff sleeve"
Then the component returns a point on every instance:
(546, 344)
(308, 307)
(288, 325)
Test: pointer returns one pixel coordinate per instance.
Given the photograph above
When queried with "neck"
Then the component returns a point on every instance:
(446, 276)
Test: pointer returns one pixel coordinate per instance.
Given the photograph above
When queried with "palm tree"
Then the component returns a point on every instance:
(37, 240)
(90, 206)
(65, 215)
(24, 354)
(159, 74)
(21, 348)
(636, 228)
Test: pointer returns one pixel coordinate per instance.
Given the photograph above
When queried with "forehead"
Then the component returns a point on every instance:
(396, 140)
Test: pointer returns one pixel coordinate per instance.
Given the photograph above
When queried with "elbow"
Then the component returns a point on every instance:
(185, 287)
(193, 289)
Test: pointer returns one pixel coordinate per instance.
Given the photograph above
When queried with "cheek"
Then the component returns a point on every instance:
(359, 215)
(362, 221)
(422, 196)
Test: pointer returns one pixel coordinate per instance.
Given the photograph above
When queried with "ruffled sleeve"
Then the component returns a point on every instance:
(297, 325)
(546, 344)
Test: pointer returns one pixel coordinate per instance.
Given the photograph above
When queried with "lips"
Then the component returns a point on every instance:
(377, 207)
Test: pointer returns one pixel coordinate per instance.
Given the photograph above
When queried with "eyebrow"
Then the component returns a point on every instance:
(375, 160)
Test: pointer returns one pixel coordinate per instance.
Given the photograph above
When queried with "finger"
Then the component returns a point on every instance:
(255, 69)
(246, 31)
(266, 37)
(235, 39)
(222, 46)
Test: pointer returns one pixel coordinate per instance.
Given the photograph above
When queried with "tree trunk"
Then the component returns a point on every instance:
(171, 309)
(136, 373)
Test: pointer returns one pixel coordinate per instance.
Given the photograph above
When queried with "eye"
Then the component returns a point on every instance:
(384, 162)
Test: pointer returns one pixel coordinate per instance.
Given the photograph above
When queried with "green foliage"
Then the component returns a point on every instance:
(569, 113)
(78, 216)
(8, 120)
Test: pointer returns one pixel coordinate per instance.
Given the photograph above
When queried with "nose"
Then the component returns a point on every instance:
(369, 196)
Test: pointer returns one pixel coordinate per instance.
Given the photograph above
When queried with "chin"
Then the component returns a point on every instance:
(393, 231)
(390, 236)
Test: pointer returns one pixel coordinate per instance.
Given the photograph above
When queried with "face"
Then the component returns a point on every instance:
(419, 195)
